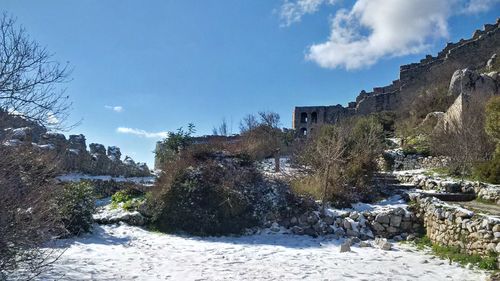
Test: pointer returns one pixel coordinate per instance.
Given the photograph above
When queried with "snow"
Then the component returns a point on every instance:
(79, 177)
(390, 203)
(267, 167)
(122, 252)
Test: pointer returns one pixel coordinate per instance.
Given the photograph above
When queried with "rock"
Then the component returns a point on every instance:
(491, 62)
(395, 221)
(275, 227)
(96, 148)
(311, 232)
(392, 229)
(329, 220)
(355, 240)
(354, 215)
(383, 244)
(297, 230)
(378, 227)
(114, 153)
(496, 228)
(397, 238)
(382, 218)
(365, 244)
(345, 247)
(77, 142)
(346, 224)
(470, 82)
(410, 237)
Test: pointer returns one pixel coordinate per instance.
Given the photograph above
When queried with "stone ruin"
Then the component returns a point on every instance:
(72, 152)
(431, 72)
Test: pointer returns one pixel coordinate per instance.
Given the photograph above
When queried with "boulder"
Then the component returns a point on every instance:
(383, 244)
(96, 148)
(114, 153)
(471, 82)
(345, 247)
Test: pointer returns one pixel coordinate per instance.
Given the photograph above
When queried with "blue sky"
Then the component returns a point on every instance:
(149, 67)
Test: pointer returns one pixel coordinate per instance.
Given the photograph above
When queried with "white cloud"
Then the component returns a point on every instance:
(52, 119)
(479, 6)
(293, 11)
(141, 133)
(370, 30)
(373, 29)
(116, 108)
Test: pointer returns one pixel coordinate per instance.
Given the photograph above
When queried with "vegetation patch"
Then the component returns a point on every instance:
(128, 199)
(76, 206)
(454, 254)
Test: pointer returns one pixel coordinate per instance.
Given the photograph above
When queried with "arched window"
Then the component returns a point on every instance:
(303, 117)
(314, 117)
(303, 132)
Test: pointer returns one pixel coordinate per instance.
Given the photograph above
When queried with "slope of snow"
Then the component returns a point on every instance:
(130, 253)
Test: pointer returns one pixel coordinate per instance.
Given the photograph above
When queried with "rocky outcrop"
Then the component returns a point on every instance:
(469, 82)
(71, 153)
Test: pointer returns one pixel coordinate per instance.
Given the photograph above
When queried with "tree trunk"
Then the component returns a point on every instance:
(277, 161)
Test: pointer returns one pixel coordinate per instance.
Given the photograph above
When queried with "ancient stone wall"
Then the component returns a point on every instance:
(308, 118)
(430, 73)
(457, 227)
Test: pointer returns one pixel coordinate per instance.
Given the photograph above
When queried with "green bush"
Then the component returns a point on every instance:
(488, 171)
(205, 193)
(129, 198)
(76, 205)
(417, 145)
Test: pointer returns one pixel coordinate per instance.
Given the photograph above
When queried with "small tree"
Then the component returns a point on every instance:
(174, 143)
(343, 157)
(30, 78)
(263, 138)
(222, 130)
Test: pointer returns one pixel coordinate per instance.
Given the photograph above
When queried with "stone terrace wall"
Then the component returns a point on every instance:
(488, 192)
(457, 227)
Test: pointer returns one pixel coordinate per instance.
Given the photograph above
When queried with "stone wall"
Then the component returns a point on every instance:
(488, 192)
(457, 227)
(430, 73)
(416, 161)
(307, 118)
(397, 223)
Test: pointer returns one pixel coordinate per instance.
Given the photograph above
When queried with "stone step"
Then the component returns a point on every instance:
(451, 197)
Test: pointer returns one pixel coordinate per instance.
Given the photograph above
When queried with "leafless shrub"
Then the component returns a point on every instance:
(28, 212)
(341, 160)
(462, 136)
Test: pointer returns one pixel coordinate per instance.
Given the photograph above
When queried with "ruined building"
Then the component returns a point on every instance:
(430, 73)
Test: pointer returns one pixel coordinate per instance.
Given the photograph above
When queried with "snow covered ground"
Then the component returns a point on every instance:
(79, 177)
(122, 252)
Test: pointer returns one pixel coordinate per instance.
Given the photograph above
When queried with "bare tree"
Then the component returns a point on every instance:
(30, 78)
(222, 130)
(249, 122)
(462, 136)
(341, 158)
(330, 157)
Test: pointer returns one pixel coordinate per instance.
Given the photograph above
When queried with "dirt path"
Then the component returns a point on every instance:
(490, 209)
